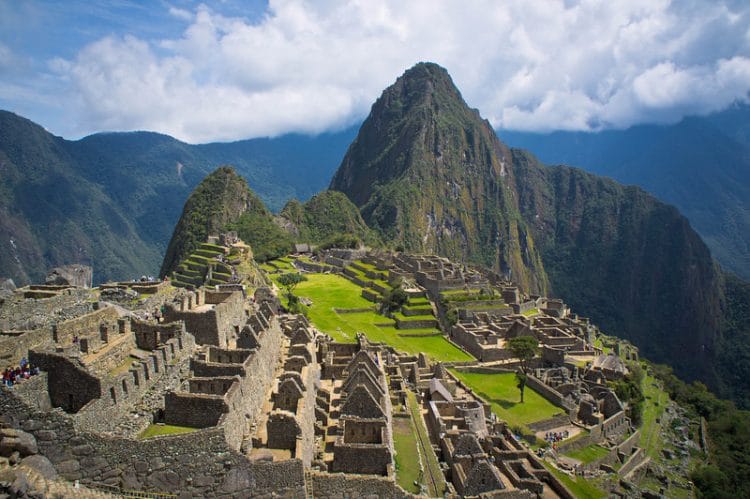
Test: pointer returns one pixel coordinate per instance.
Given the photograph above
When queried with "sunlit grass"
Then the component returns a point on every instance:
(501, 392)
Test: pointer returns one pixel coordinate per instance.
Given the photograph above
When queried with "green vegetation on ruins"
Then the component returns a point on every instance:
(433, 476)
(159, 430)
(588, 454)
(501, 392)
(331, 292)
(407, 456)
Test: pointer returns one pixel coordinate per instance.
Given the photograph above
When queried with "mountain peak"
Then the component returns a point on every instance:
(430, 175)
(222, 197)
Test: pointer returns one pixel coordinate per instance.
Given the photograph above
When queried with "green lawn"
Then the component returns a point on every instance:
(501, 392)
(580, 487)
(588, 454)
(329, 291)
(156, 430)
(653, 408)
(419, 302)
(433, 476)
(407, 457)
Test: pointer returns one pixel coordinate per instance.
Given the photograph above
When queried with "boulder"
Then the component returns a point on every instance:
(17, 441)
(70, 275)
(41, 465)
(119, 295)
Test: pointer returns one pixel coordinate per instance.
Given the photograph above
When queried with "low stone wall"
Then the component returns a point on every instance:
(340, 485)
(416, 324)
(194, 410)
(352, 310)
(632, 462)
(548, 424)
(630, 443)
(198, 464)
(316, 267)
(552, 395)
(370, 295)
(64, 332)
(14, 348)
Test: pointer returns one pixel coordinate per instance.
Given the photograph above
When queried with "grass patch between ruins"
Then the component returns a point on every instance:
(407, 456)
(433, 478)
(655, 402)
(588, 454)
(580, 487)
(330, 291)
(158, 430)
(501, 392)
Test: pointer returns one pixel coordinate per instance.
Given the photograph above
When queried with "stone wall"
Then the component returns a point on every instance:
(370, 459)
(198, 464)
(552, 395)
(194, 410)
(338, 485)
(214, 325)
(148, 335)
(70, 387)
(85, 325)
(16, 346)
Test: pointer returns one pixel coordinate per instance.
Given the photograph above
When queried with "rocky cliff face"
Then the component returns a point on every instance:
(430, 175)
(632, 263)
(428, 172)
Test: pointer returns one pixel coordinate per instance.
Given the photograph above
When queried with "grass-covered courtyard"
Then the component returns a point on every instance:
(158, 430)
(329, 292)
(501, 392)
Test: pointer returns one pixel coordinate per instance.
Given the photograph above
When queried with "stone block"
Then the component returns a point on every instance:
(68, 467)
(93, 463)
(17, 441)
(164, 480)
(31, 425)
(203, 480)
(41, 465)
(46, 435)
(237, 480)
(141, 466)
(82, 450)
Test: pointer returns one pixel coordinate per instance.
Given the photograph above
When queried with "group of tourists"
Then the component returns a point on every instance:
(556, 436)
(23, 371)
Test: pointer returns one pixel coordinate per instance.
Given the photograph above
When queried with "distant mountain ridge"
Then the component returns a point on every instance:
(112, 199)
(701, 165)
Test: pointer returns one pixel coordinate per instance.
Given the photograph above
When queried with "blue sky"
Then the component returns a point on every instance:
(226, 70)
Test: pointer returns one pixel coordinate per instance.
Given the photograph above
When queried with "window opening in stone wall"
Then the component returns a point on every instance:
(112, 394)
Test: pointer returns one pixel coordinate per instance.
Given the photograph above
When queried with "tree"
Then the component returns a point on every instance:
(290, 281)
(524, 348)
(394, 299)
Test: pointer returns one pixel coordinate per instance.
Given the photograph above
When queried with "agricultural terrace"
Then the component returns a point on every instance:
(501, 392)
(333, 296)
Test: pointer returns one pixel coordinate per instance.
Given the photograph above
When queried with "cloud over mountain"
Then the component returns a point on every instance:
(310, 66)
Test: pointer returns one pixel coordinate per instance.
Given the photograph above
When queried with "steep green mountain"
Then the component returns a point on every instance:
(112, 199)
(430, 175)
(50, 214)
(632, 263)
(223, 201)
(324, 218)
(701, 165)
(427, 171)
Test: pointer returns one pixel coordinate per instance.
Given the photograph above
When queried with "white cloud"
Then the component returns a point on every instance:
(311, 66)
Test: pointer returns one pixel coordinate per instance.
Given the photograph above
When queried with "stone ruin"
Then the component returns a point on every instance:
(70, 275)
